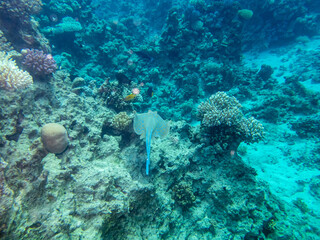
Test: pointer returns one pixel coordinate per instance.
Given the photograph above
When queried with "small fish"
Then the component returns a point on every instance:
(150, 92)
(129, 97)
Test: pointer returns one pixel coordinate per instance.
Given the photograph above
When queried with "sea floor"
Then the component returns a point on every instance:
(286, 60)
(280, 160)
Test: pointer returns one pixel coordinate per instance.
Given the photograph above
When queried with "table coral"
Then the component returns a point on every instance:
(68, 24)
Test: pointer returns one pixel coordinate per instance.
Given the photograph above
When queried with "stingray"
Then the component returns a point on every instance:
(149, 125)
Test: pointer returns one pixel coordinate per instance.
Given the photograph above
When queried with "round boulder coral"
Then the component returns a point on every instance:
(54, 137)
(245, 14)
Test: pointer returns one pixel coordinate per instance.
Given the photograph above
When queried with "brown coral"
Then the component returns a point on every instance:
(121, 121)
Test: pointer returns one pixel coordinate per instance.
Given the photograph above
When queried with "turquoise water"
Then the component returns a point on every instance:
(233, 87)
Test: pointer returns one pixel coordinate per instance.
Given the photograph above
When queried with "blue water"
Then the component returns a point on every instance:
(236, 82)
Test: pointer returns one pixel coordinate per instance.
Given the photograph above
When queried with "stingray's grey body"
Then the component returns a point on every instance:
(149, 125)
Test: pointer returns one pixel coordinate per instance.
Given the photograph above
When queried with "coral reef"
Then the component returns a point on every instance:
(20, 27)
(20, 10)
(118, 94)
(115, 58)
(285, 100)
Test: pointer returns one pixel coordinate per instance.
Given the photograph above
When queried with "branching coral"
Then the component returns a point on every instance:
(220, 109)
(38, 62)
(11, 77)
(222, 115)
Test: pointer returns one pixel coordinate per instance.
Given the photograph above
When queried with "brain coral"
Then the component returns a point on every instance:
(245, 14)
(54, 137)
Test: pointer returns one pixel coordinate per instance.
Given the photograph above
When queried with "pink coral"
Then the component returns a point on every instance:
(136, 91)
(38, 62)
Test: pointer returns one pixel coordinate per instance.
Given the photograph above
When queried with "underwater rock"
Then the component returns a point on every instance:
(265, 72)
(122, 78)
(54, 137)
(307, 127)
(78, 82)
(6, 199)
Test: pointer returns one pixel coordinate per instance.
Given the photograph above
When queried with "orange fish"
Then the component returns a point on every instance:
(129, 97)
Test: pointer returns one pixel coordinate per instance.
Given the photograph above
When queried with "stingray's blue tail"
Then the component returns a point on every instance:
(148, 143)
(147, 166)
